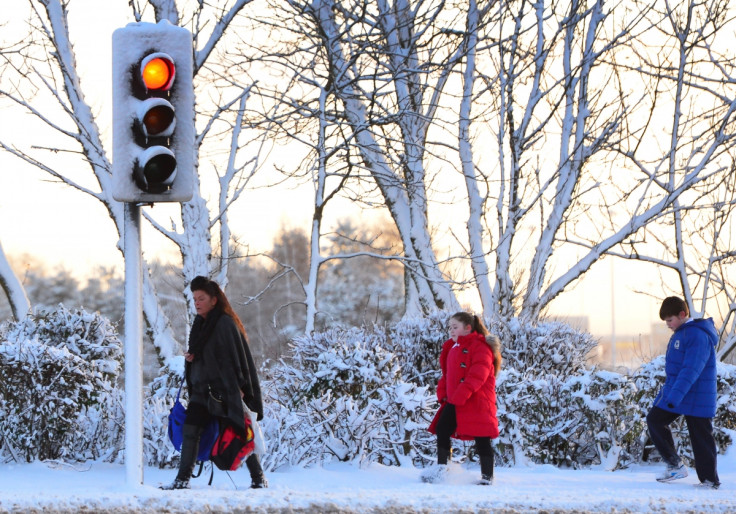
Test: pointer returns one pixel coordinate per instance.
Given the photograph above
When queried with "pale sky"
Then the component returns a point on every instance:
(64, 227)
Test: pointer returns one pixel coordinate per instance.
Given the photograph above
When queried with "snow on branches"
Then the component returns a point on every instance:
(360, 394)
(368, 395)
(59, 397)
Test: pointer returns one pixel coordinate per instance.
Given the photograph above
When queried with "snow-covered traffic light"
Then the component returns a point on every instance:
(153, 113)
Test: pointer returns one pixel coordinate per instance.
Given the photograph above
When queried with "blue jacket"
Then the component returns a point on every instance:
(690, 387)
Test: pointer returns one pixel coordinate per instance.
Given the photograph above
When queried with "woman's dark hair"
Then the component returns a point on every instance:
(476, 324)
(211, 287)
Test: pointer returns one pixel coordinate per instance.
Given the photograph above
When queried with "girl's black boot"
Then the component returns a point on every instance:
(486, 469)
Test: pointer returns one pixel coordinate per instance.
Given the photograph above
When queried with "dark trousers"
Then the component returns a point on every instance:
(446, 426)
(701, 438)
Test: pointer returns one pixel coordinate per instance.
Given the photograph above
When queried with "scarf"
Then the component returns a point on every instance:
(202, 329)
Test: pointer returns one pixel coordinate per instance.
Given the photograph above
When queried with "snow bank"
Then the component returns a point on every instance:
(344, 487)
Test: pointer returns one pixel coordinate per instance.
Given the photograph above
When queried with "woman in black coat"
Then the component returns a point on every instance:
(220, 374)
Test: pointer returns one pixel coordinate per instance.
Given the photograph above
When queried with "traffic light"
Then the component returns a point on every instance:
(153, 113)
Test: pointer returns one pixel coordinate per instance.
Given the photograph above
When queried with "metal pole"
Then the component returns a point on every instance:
(133, 345)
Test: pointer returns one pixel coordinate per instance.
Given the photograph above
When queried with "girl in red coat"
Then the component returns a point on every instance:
(469, 361)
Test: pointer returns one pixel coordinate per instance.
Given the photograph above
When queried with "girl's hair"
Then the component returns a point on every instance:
(476, 324)
(471, 319)
(211, 287)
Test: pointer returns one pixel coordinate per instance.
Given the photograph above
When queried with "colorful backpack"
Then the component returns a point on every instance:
(232, 448)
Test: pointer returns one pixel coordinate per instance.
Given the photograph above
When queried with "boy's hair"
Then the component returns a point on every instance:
(673, 306)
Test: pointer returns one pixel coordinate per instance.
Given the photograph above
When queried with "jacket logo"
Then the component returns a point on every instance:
(677, 344)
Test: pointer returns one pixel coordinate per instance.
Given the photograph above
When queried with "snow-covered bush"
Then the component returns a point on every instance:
(341, 396)
(59, 395)
(417, 342)
(368, 395)
(158, 399)
(545, 348)
(611, 431)
(648, 380)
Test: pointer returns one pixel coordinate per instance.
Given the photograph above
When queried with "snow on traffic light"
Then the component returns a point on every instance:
(153, 113)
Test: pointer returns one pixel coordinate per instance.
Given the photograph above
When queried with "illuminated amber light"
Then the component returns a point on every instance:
(157, 74)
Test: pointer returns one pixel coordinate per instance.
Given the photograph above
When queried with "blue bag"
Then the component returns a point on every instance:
(177, 416)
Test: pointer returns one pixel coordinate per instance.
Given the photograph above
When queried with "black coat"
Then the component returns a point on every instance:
(226, 366)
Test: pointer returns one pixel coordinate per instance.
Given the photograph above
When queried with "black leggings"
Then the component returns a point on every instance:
(446, 426)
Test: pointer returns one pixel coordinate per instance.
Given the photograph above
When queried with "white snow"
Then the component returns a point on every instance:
(345, 487)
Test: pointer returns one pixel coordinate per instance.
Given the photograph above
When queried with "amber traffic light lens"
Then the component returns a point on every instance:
(158, 74)
(158, 119)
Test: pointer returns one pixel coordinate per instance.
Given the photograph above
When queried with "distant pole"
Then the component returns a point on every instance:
(613, 318)
(133, 345)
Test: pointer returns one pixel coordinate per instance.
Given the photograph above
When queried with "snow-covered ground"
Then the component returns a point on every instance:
(98, 487)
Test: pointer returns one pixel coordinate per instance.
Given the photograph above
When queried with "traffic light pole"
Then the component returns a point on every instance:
(133, 345)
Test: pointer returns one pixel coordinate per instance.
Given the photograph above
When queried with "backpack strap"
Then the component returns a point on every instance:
(199, 472)
(178, 393)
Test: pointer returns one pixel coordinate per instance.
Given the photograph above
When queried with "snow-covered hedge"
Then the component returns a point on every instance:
(59, 396)
(341, 396)
(578, 420)
(368, 394)
(158, 399)
(649, 378)
(360, 394)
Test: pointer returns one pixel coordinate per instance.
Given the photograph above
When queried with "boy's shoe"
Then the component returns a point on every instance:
(672, 473)
(434, 474)
(176, 484)
(707, 484)
(485, 480)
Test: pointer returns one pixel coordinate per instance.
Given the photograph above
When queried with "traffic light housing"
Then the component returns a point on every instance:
(153, 113)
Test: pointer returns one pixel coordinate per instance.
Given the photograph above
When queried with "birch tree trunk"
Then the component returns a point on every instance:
(400, 178)
(476, 203)
(13, 289)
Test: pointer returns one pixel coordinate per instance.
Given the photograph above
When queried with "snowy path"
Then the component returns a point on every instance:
(346, 488)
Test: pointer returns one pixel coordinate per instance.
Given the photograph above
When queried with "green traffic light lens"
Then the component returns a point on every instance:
(159, 170)
(155, 170)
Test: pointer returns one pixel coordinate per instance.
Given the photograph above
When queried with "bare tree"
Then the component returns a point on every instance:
(46, 67)
(385, 65)
(688, 185)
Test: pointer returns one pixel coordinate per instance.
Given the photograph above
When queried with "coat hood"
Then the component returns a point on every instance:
(706, 325)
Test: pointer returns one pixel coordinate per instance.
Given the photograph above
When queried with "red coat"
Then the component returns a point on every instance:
(469, 383)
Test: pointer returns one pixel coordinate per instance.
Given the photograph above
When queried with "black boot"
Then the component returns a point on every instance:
(486, 469)
(189, 450)
(257, 480)
(443, 455)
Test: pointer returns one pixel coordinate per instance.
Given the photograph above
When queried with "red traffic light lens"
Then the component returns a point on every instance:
(157, 72)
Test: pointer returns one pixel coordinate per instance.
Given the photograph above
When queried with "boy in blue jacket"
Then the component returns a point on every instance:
(689, 390)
